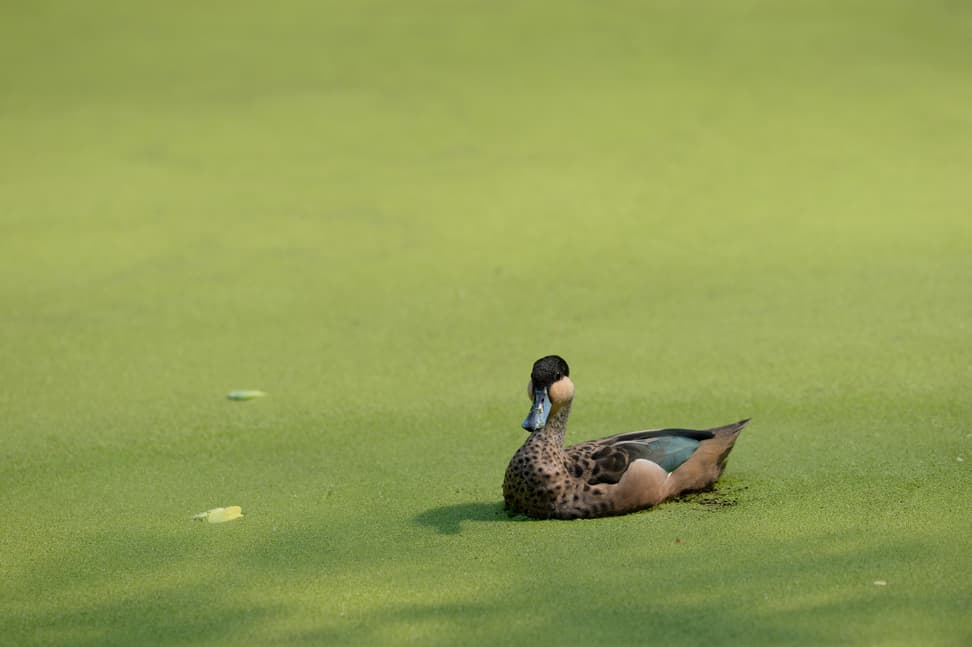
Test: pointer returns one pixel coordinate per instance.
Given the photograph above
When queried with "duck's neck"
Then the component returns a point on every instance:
(553, 432)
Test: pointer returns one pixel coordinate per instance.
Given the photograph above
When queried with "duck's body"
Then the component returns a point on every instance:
(610, 476)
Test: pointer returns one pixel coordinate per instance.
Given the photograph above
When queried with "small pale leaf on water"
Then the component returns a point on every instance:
(219, 515)
(245, 394)
(880, 583)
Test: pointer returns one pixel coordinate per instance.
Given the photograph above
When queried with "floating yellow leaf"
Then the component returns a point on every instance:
(219, 515)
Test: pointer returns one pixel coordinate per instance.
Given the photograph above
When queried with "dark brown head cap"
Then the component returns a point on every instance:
(548, 370)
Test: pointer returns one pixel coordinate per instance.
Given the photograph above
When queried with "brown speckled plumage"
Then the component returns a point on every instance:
(610, 476)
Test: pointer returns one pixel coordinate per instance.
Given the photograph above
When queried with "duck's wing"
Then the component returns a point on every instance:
(607, 459)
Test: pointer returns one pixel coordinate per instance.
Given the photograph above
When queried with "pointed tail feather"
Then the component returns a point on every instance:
(734, 428)
(725, 438)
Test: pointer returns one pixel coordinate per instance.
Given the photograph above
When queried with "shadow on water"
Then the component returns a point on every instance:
(255, 587)
(448, 519)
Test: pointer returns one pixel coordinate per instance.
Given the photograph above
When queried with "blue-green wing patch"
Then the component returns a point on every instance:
(667, 451)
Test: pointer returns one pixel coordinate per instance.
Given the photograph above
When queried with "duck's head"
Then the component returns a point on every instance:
(550, 388)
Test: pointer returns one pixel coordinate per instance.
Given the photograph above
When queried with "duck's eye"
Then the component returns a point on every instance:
(557, 376)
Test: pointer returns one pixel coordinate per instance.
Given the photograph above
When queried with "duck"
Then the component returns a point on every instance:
(610, 476)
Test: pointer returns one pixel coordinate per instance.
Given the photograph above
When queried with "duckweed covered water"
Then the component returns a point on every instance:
(382, 213)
